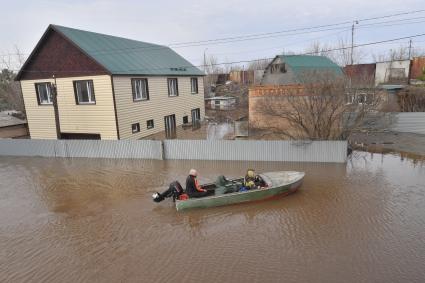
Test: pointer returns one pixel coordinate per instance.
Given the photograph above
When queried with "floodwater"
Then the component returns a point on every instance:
(87, 220)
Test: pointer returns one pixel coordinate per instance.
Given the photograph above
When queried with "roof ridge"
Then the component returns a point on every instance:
(104, 34)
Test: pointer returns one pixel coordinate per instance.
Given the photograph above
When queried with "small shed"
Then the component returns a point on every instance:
(12, 127)
(221, 102)
(392, 72)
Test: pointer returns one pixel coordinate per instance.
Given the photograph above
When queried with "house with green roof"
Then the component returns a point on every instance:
(298, 69)
(78, 84)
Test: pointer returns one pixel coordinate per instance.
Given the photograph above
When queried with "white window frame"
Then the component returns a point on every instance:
(173, 87)
(47, 86)
(140, 89)
(147, 124)
(135, 129)
(90, 92)
(194, 86)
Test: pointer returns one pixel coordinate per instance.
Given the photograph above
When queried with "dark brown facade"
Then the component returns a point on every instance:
(417, 68)
(361, 74)
(57, 56)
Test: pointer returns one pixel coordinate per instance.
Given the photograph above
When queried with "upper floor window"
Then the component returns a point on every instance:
(84, 92)
(278, 68)
(173, 88)
(140, 89)
(44, 93)
(194, 85)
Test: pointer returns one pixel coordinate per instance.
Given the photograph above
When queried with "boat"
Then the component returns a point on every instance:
(228, 192)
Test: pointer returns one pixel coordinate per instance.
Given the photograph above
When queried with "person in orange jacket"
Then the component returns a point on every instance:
(193, 189)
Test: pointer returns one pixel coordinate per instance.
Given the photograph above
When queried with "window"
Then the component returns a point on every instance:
(135, 128)
(278, 68)
(196, 115)
(185, 119)
(84, 92)
(194, 85)
(140, 89)
(149, 124)
(217, 102)
(173, 89)
(44, 93)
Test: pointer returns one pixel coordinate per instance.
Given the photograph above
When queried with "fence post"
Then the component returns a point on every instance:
(162, 151)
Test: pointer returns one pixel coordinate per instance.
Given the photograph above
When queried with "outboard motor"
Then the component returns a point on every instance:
(174, 190)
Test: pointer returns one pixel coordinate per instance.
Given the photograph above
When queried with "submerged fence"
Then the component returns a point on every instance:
(409, 122)
(299, 151)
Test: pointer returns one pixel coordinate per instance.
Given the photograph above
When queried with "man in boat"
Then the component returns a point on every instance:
(253, 181)
(193, 189)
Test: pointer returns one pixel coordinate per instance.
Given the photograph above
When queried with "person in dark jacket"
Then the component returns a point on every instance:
(193, 189)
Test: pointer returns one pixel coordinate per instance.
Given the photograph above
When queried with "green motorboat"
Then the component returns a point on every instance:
(225, 192)
(276, 183)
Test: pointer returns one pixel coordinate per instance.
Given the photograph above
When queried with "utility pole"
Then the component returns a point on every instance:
(352, 41)
(54, 91)
(205, 60)
(410, 48)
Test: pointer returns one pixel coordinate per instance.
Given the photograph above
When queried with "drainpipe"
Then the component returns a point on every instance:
(55, 108)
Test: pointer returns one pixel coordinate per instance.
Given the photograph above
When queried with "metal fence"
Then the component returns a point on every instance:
(82, 148)
(307, 151)
(409, 122)
(300, 151)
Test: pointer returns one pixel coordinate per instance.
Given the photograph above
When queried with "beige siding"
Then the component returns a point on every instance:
(158, 105)
(94, 119)
(41, 118)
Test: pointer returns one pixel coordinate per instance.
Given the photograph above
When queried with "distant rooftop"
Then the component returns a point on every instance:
(306, 63)
(7, 120)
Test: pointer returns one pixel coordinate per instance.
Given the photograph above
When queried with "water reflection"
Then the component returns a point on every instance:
(81, 219)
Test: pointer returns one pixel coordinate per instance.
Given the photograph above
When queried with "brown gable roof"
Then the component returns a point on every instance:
(55, 55)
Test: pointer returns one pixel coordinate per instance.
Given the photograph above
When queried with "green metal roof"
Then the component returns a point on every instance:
(122, 56)
(309, 63)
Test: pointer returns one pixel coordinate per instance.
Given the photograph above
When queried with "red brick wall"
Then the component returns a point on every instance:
(418, 67)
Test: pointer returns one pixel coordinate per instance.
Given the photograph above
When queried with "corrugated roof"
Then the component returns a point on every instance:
(122, 56)
(309, 63)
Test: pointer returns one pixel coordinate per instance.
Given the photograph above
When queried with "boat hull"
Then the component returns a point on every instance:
(277, 187)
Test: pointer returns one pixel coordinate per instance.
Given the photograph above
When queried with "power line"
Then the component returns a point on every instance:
(121, 50)
(257, 36)
(248, 61)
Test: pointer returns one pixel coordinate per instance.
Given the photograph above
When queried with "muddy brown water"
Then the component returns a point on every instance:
(88, 220)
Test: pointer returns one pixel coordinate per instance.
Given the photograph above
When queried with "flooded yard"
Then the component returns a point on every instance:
(88, 220)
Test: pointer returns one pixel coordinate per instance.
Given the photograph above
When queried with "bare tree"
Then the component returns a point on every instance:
(412, 99)
(258, 64)
(339, 53)
(10, 91)
(325, 107)
(211, 69)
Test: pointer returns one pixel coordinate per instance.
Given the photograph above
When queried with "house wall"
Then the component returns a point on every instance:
(158, 105)
(278, 78)
(418, 68)
(57, 53)
(93, 119)
(382, 71)
(361, 74)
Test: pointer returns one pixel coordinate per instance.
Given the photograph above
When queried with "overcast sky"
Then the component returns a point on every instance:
(165, 22)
